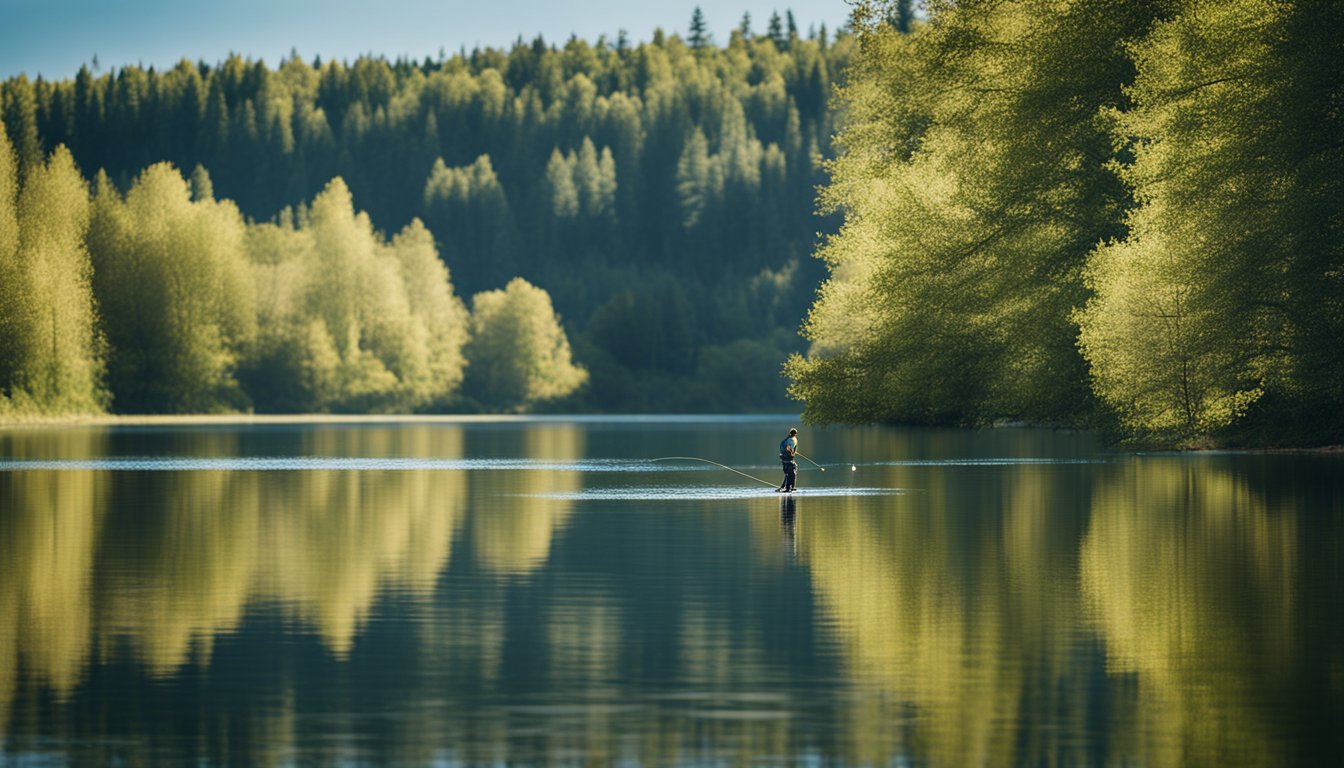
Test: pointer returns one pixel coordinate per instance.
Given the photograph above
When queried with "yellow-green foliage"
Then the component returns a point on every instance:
(1159, 353)
(580, 182)
(50, 351)
(1229, 284)
(10, 294)
(347, 321)
(616, 209)
(518, 351)
(438, 318)
(974, 185)
(470, 202)
(204, 312)
(1053, 202)
(176, 293)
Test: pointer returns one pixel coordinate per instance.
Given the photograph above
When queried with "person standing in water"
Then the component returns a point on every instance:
(788, 447)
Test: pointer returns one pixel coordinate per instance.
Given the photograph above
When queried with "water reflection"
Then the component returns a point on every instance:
(953, 608)
(49, 533)
(46, 613)
(1193, 582)
(959, 614)
(520, 513)
(788, 524)
(183, 555)
(1145, 610)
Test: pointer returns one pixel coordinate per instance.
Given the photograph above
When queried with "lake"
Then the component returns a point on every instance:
(540, 591)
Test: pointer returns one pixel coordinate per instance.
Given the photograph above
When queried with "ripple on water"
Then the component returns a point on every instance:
(313, 463)
(705, 493)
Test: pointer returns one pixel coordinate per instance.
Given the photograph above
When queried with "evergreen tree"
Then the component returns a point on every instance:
(201, 186)
(774, 31)
(699, 181)
(901, 14)
(19, 100)
(470, 203)
(698, 36)
(648, 328)
(610, 126)
(564, 195)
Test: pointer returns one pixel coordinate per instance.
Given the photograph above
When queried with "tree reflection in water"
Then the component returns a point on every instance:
(1151, 610)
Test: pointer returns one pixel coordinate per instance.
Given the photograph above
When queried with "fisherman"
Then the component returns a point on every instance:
(788, 447)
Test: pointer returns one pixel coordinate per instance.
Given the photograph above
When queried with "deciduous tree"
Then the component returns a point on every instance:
(519, 354)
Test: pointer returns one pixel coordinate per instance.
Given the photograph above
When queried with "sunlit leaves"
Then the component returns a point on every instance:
(354, 323)
(1228, 288)
(1153, 186)
(175, 292)
(974, 184)
(518, 351)
(609, 210)
(50, 347)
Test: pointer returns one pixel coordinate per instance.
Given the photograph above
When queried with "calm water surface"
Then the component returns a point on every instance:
(541, 592)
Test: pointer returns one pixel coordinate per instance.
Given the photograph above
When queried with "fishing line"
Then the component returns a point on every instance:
(715, 463)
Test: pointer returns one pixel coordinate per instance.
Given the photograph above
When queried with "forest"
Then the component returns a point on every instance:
(633, 224)
(1123, 215)
(1084, 213)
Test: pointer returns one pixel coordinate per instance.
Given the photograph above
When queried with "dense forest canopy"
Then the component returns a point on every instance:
(659, 195)
(1089, 212)
(1078, 212)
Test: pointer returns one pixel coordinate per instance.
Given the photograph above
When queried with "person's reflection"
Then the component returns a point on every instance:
(788, 517)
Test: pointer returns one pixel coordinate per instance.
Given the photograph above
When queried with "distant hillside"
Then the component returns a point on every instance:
(662, 193)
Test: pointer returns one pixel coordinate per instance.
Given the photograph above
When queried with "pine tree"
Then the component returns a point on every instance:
(564, 196)
(698, 36)
(901, 15)
(20, 121)
(470, 203)
(775, 31)
(695, 179)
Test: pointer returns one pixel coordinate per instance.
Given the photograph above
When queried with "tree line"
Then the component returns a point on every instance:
(661, 194)
(1088, 212)
(165, 300)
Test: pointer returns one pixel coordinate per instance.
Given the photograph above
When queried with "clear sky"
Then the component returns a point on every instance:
(54, 37)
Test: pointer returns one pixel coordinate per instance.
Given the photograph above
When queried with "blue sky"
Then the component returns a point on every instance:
(54, 37)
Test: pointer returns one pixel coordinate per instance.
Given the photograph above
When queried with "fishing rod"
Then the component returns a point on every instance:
(715, 463)
(818, 466)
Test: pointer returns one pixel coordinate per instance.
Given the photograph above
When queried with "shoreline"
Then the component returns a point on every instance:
(363, 419)
(244, 419)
